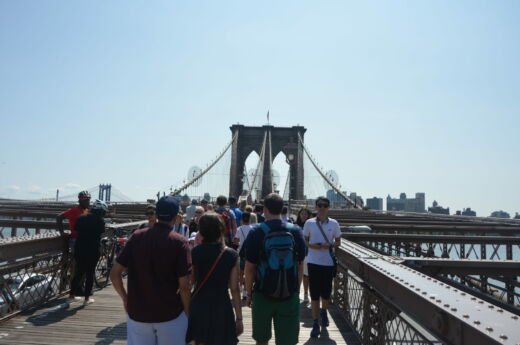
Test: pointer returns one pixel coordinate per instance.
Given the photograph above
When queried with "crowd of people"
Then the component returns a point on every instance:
(188, 274)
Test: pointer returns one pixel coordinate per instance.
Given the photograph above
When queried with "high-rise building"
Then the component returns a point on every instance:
(435, 208)
(375, 203)
(500, 214)
(469, 212)
(416, 204)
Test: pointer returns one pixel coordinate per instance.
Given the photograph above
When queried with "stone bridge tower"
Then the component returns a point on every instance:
(283, 139)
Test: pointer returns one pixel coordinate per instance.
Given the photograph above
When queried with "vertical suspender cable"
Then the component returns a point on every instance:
(203, 172)
(260, 163)
(349, 200)
(271, 162)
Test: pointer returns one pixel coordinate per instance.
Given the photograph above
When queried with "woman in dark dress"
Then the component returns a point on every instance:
(211, 320)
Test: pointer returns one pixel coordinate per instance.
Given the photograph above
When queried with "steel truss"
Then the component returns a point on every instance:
(387, 302)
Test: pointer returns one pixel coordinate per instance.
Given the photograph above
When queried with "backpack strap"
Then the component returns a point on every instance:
(265, 227)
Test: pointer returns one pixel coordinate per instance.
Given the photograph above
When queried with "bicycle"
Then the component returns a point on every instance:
(110, 247)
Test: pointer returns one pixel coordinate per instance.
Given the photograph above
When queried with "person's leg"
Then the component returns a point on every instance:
(262, 314)
(305, 281)
(79, 271)
(326, 290)
(172, 332)
(287, 321)
(140, 333)
(314, 286)
(90, 271)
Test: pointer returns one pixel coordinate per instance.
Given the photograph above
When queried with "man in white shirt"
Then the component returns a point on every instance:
(240, 237)
(321, 265)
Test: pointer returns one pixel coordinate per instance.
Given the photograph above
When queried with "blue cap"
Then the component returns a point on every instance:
(167, 206)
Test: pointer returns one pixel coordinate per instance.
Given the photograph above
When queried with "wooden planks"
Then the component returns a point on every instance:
(103, 323)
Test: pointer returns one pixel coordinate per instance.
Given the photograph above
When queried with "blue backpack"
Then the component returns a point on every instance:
(277, 273)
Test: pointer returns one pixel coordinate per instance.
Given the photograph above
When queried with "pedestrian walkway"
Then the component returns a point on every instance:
(103, 323)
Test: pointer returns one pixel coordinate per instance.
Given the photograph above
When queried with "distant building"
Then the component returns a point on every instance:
(500, 214)
(357, 199)
(469, 212)
(334, 197)
(517, 216)
(375, 203)
(405, 204)
(435, 208)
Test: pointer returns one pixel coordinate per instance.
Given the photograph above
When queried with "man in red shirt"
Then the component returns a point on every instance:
(73, 213)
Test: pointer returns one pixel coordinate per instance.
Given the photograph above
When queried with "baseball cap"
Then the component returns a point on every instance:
(167, 206)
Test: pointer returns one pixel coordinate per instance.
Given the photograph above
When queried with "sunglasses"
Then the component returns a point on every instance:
(323, 205)
(198, 212)
(150, 213)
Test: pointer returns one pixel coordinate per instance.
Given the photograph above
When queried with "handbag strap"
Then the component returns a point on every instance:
(199, 286)
(326, 238)
(322, 232)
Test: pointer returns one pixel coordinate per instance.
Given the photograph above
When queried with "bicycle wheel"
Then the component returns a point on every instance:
(103, 267)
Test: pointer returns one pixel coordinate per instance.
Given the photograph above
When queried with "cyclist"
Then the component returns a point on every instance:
(89, 228)
(72, 214)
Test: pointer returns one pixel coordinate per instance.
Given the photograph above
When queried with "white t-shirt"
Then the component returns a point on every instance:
(181, 229)
(242, 232)
(312, 231)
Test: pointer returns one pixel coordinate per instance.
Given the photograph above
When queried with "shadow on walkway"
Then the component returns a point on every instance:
(109, 334)
(59, 310)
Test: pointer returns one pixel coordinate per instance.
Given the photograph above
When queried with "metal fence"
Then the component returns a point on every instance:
(36, 269)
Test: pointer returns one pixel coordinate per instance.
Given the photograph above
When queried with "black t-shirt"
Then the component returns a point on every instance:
(89, 228)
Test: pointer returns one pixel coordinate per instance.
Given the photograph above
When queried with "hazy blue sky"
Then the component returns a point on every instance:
(397, 96)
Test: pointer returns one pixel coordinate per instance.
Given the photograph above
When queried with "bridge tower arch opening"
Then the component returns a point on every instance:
(280, 139)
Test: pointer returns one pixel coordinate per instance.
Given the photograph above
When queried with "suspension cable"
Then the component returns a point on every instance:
(271, 162)
(203, 172)
(260, 162)
(349, 200)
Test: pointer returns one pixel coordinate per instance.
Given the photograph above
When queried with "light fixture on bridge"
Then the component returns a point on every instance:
(290, 156)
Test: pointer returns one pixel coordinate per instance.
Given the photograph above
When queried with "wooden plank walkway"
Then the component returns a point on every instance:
(103, 323)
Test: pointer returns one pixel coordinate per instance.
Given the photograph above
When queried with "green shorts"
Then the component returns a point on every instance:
(286, 317)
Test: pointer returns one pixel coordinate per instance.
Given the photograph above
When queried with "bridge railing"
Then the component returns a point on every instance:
(386, 302)
(35, 269)
(488, 266)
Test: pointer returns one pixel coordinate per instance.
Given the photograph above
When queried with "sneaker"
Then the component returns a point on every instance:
(324, 318)
(315, 329)
(88, 301)
(305, 298)
(72, 299)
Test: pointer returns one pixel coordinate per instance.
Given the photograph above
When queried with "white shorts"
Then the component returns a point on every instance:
(162, 333)
(305, 268)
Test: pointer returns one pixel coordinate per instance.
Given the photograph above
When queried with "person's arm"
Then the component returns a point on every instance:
(59, 221)
(249, 278)
(300, 274)
(236, 238)
(235, 293)
(116, 277)
(185, 292)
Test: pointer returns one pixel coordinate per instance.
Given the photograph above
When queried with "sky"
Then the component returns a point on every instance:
(396, 96)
